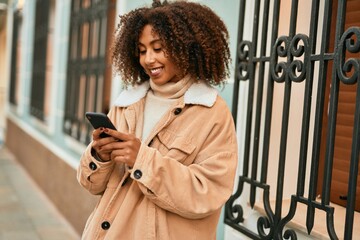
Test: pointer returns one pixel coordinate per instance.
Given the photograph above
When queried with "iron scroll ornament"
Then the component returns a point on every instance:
(243, 51)
(348, 70)
(296, 51)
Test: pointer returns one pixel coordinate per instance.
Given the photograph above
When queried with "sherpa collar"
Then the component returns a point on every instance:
(198, 93)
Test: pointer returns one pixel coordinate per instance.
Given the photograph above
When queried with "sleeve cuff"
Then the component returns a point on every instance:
(95, 155)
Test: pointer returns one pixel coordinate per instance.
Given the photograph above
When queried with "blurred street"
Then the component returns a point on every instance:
(25, 211)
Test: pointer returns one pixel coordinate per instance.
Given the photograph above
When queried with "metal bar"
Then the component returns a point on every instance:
(98, 38)
(264, 39)
(248, 117)
(307, 99)
(14, 53)
(320, 100)
(334, 93)
(79, 71)
(70, 76)
(285, 118)
(239, 39)
(269, 94)
(75, 101)
(81, 120)
(293, 17)
(342, 69)
(254, 164)
(354, 168)
(282, 157)
(89, 71)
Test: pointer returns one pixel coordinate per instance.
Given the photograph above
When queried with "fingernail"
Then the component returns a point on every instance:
(106, 130)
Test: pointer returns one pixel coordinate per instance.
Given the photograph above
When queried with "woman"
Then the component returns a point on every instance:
(169, 168)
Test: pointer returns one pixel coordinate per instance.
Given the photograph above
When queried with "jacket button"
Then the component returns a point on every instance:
(105, 225)
(92, 166)
(177, 111)
(137, 174)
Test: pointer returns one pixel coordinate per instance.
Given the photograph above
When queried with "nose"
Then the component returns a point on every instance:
(149, 57)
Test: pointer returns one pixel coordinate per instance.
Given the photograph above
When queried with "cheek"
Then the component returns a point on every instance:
(174, 69)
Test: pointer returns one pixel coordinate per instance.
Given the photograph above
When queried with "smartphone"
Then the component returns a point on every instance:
(98, 120)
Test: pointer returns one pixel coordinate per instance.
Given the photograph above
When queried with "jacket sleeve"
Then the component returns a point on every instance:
(92, 174)
(199, 189)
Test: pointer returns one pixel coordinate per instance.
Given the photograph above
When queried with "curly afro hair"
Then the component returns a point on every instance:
(193, 36)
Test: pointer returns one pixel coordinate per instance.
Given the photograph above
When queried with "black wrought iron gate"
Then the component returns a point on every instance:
(266, 59)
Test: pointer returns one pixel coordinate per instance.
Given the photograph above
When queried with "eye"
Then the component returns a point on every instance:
(158, 49)
(142, 52)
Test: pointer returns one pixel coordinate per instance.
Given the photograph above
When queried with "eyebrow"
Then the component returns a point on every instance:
(152, 42)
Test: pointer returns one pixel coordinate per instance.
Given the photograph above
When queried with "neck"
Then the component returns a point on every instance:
(172, 90)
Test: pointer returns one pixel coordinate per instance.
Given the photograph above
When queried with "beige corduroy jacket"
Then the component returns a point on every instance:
(183, 174)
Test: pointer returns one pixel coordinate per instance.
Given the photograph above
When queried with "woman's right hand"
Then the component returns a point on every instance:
(98, 144)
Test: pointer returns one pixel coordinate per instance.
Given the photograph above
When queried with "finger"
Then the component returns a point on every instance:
(120, 152)
(124, 153)
(119, 159)
(100, 142)
(96, 133)
(105, 145)
(122, 159)
(99, 152)
(119, 135)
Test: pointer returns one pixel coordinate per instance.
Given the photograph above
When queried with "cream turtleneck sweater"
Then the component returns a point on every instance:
(159, 99)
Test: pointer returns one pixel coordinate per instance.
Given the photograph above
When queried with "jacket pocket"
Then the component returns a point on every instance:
(175, 146)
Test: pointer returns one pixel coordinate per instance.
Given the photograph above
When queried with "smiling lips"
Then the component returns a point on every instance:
(155, 71)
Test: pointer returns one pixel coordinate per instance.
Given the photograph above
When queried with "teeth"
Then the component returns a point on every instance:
(155, 70)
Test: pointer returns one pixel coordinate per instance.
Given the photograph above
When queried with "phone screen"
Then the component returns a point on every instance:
(98, 120)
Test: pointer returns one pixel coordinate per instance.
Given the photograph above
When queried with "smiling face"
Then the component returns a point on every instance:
(154, 60)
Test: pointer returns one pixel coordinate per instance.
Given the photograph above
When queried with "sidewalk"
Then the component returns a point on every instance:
(25, 211)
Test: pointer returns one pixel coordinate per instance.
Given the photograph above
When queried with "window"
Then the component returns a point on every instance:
(42, 62)
(89, 69)
(15, 58)
(297, 65)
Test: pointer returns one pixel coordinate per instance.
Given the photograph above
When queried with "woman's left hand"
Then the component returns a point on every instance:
(126, 149)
